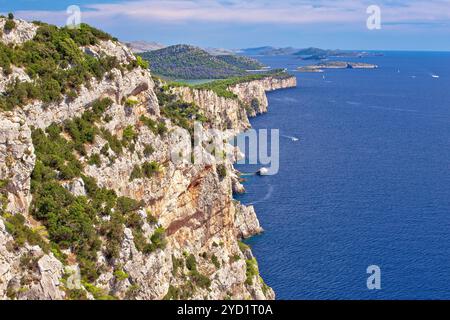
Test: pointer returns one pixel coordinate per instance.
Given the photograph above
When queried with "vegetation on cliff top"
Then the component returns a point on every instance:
(55, 63)
(221, 87)
(181, 113)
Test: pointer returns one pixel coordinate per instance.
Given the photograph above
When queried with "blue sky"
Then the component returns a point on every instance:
(406, 24)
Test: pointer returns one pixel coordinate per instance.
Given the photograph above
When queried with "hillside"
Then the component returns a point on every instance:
(241, 62)
(189, 62)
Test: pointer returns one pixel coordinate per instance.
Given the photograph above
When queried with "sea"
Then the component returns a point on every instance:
(367, 183)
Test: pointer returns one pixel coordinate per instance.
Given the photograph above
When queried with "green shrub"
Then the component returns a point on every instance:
(54, 152)
(82, 130)
(99, 107)
(173, 293)
(9, 25)
(243, 247)
(221, 171)
(76, 294)
(177, 264)
(215, 261)
(156, 127)
(133, 220)
(158, 238)
(151, 219)
(98, 293)
(121, 275)
(129, 135)
(3, 183)
(113, 142)
(130, 103)
(200, 280)
(148, 150)
(149, 169)
(132, 292)
(95, 160)
(182, 114)
(142, 63)
(113, 231)
(15, 225)
(126, 205)
(191, 263)
(252, 270)
(235, 258)
(136, 173)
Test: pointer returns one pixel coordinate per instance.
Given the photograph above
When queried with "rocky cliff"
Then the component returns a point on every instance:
(233, 113)
(93, 206)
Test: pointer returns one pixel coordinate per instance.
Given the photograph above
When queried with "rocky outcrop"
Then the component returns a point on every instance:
(116, 87)
(224, 113)
(247, 222)
(233, 113)
(16, 74)
(16, 160)
(22, 31)
(27, 272)
(253, 93)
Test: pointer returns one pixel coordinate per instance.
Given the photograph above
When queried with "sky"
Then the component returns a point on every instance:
(330, 24)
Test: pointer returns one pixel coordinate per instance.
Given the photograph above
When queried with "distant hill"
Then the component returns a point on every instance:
(268, 51)
(305, 54)
(317, 54)
(241, 62)
(143, 46)
(189, 62)
(219, 51)
(313, 52)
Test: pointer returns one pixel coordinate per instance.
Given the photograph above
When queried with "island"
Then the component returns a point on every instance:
(336, 65)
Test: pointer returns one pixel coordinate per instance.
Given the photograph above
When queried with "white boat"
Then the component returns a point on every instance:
(435, 76)
(263, 171)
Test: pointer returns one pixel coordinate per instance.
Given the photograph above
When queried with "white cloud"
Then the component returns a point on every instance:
(260, 11)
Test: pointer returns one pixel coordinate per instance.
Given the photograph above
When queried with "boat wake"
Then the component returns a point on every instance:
(290, 138)
(353, 103)
(391, 109)
(266, 197)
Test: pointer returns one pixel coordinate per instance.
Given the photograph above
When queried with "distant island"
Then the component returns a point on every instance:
(190, 62)
(305, 54)
(144, 46)
(267, 51)
(336, 65)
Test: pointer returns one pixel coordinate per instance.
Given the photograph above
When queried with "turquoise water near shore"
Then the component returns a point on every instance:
(368, 182)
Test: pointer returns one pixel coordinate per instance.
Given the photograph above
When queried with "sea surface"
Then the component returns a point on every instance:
(367, 183)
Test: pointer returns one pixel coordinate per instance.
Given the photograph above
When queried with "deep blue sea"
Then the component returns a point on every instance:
(368, 182)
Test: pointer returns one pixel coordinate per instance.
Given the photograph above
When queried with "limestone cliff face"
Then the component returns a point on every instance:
(253, 93)
(192, 202)
(225, 113)
(229, 113)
